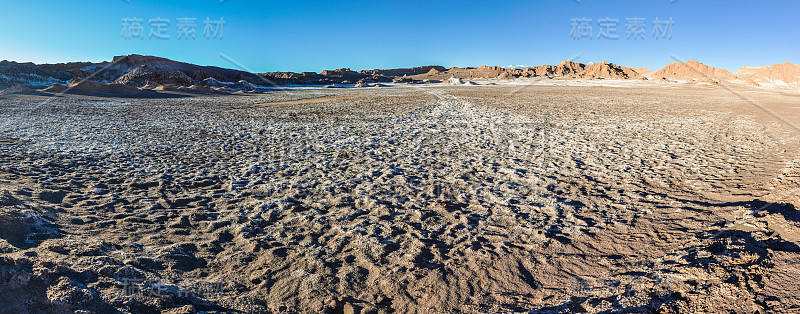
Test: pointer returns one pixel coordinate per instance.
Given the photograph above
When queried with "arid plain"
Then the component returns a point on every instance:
(524, 196)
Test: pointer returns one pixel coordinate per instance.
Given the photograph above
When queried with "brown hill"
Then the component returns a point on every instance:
(643, 73)
(691, 71)
(55, 88)
(16, 89)
(567, 68)
(604, 70)
(490, 68)
(166, 66)
(91, 88)
(749, 82)
(779, 74)
(405, 71)
(542, 70)
(746, 72)
(143, 74)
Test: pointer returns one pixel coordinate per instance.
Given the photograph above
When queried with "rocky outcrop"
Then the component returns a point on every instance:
(199, 75)
(30, 75)
(152, 73)
(342, 71)
(604, 70)
(404, 79)
(746, 72)
(781, 74)
(16, 89)
(405, 71)
(92, 88)
(137, 70)
(692, 71)
(567, 68)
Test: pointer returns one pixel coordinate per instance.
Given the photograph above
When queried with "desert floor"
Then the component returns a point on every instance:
(549, 198)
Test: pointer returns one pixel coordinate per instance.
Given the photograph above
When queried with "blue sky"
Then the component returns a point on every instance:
(315, 35)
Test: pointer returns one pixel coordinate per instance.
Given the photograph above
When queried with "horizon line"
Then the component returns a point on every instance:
(510, 66)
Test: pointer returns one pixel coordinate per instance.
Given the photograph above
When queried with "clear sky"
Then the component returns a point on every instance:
(299, 35)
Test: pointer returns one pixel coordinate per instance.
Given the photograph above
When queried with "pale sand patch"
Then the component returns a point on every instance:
(307, 101)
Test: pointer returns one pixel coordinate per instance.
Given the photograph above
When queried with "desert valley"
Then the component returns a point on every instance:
(147, 185)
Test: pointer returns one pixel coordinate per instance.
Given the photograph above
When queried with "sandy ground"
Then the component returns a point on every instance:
(419, 199)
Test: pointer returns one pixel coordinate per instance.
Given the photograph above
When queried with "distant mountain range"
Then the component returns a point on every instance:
(136, 72)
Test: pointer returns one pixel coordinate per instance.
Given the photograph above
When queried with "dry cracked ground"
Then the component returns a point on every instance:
(411, 199)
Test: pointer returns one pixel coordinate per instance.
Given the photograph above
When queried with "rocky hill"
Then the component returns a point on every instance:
(692, 71)
(604, 70)
(782, 74)
(156, 73)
